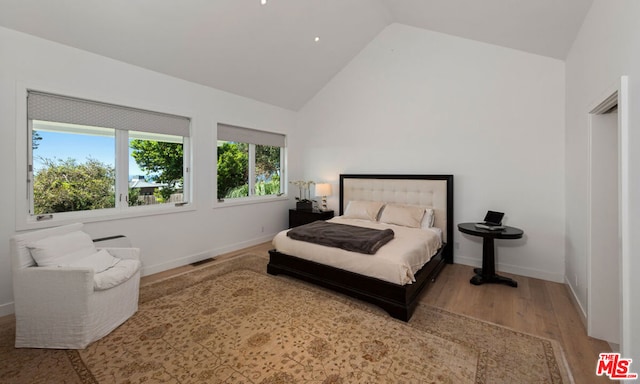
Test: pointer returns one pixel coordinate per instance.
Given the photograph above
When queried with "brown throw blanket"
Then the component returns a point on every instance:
(347, 237)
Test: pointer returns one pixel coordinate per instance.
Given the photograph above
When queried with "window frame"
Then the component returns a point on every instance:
(25, 219)
(252, 198)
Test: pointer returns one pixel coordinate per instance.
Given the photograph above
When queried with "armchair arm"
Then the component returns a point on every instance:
(124, 253)
(51, 289)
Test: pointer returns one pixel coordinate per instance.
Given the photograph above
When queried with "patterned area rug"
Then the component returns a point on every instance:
(231, 323)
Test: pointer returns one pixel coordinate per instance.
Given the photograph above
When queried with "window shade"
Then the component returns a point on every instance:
(251, 136)
(63, 109)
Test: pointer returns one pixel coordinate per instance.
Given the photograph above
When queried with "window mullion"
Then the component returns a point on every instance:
(252, 169)
(122, 169)
(30, 166)
(283, 177)
(186, 167)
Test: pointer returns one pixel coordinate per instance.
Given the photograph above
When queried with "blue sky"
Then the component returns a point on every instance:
(79, 147)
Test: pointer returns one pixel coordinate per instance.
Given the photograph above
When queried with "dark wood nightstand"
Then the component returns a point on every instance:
(297, 218)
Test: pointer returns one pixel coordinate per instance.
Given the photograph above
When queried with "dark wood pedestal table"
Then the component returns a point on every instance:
(487, 274)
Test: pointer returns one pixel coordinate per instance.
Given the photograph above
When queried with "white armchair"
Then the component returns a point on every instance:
(67, 304)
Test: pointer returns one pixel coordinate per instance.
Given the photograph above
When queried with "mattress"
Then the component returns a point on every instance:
(396, 262)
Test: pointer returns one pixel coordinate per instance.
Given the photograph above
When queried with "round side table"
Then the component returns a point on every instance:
(487, 274)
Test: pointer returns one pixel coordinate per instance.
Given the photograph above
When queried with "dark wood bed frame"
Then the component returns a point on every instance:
(398, 300)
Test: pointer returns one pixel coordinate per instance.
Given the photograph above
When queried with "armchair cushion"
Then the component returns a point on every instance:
(116, 275)
(61, 249)
(76, 249)
(99, 261)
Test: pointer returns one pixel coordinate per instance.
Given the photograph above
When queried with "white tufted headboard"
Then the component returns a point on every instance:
(426, 190)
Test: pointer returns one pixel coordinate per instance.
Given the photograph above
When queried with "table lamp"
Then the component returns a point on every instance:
(324, 190)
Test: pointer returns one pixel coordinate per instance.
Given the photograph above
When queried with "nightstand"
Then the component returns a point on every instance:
(487, 274)
(297, 218)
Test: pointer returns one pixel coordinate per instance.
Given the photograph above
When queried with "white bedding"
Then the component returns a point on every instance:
(396, 262)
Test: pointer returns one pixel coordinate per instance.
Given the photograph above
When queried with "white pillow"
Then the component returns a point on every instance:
(99, 261)
(366, 210)
(405, 215)
(121, 272)
(61, 249)
(428, 219)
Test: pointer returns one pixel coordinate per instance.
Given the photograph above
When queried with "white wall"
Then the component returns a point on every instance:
(415, 101)
(166, 240)
(607, 47)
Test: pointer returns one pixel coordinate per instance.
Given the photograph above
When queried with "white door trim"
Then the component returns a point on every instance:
(617, 94)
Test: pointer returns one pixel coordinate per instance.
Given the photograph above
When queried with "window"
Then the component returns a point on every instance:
(89, 156)
(250, 162)
(162, 156)
(73, 167)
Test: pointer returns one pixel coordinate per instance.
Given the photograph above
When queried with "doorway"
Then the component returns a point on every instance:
(607, 218)
(604, 309)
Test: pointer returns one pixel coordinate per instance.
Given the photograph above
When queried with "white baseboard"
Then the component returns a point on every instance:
(182, 261)
(576, 302)
(7, 309)
(528, 272)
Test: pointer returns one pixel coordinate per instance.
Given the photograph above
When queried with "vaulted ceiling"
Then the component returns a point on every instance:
(268, 52)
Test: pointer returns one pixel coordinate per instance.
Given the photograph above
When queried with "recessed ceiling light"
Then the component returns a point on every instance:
(263, 2)
(317, 39)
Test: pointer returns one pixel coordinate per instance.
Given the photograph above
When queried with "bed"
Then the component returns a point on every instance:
(397, 298)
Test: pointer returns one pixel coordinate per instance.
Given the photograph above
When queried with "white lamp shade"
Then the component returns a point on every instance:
(323, 189)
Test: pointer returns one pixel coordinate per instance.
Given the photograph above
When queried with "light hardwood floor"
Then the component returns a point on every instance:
(536, 306)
